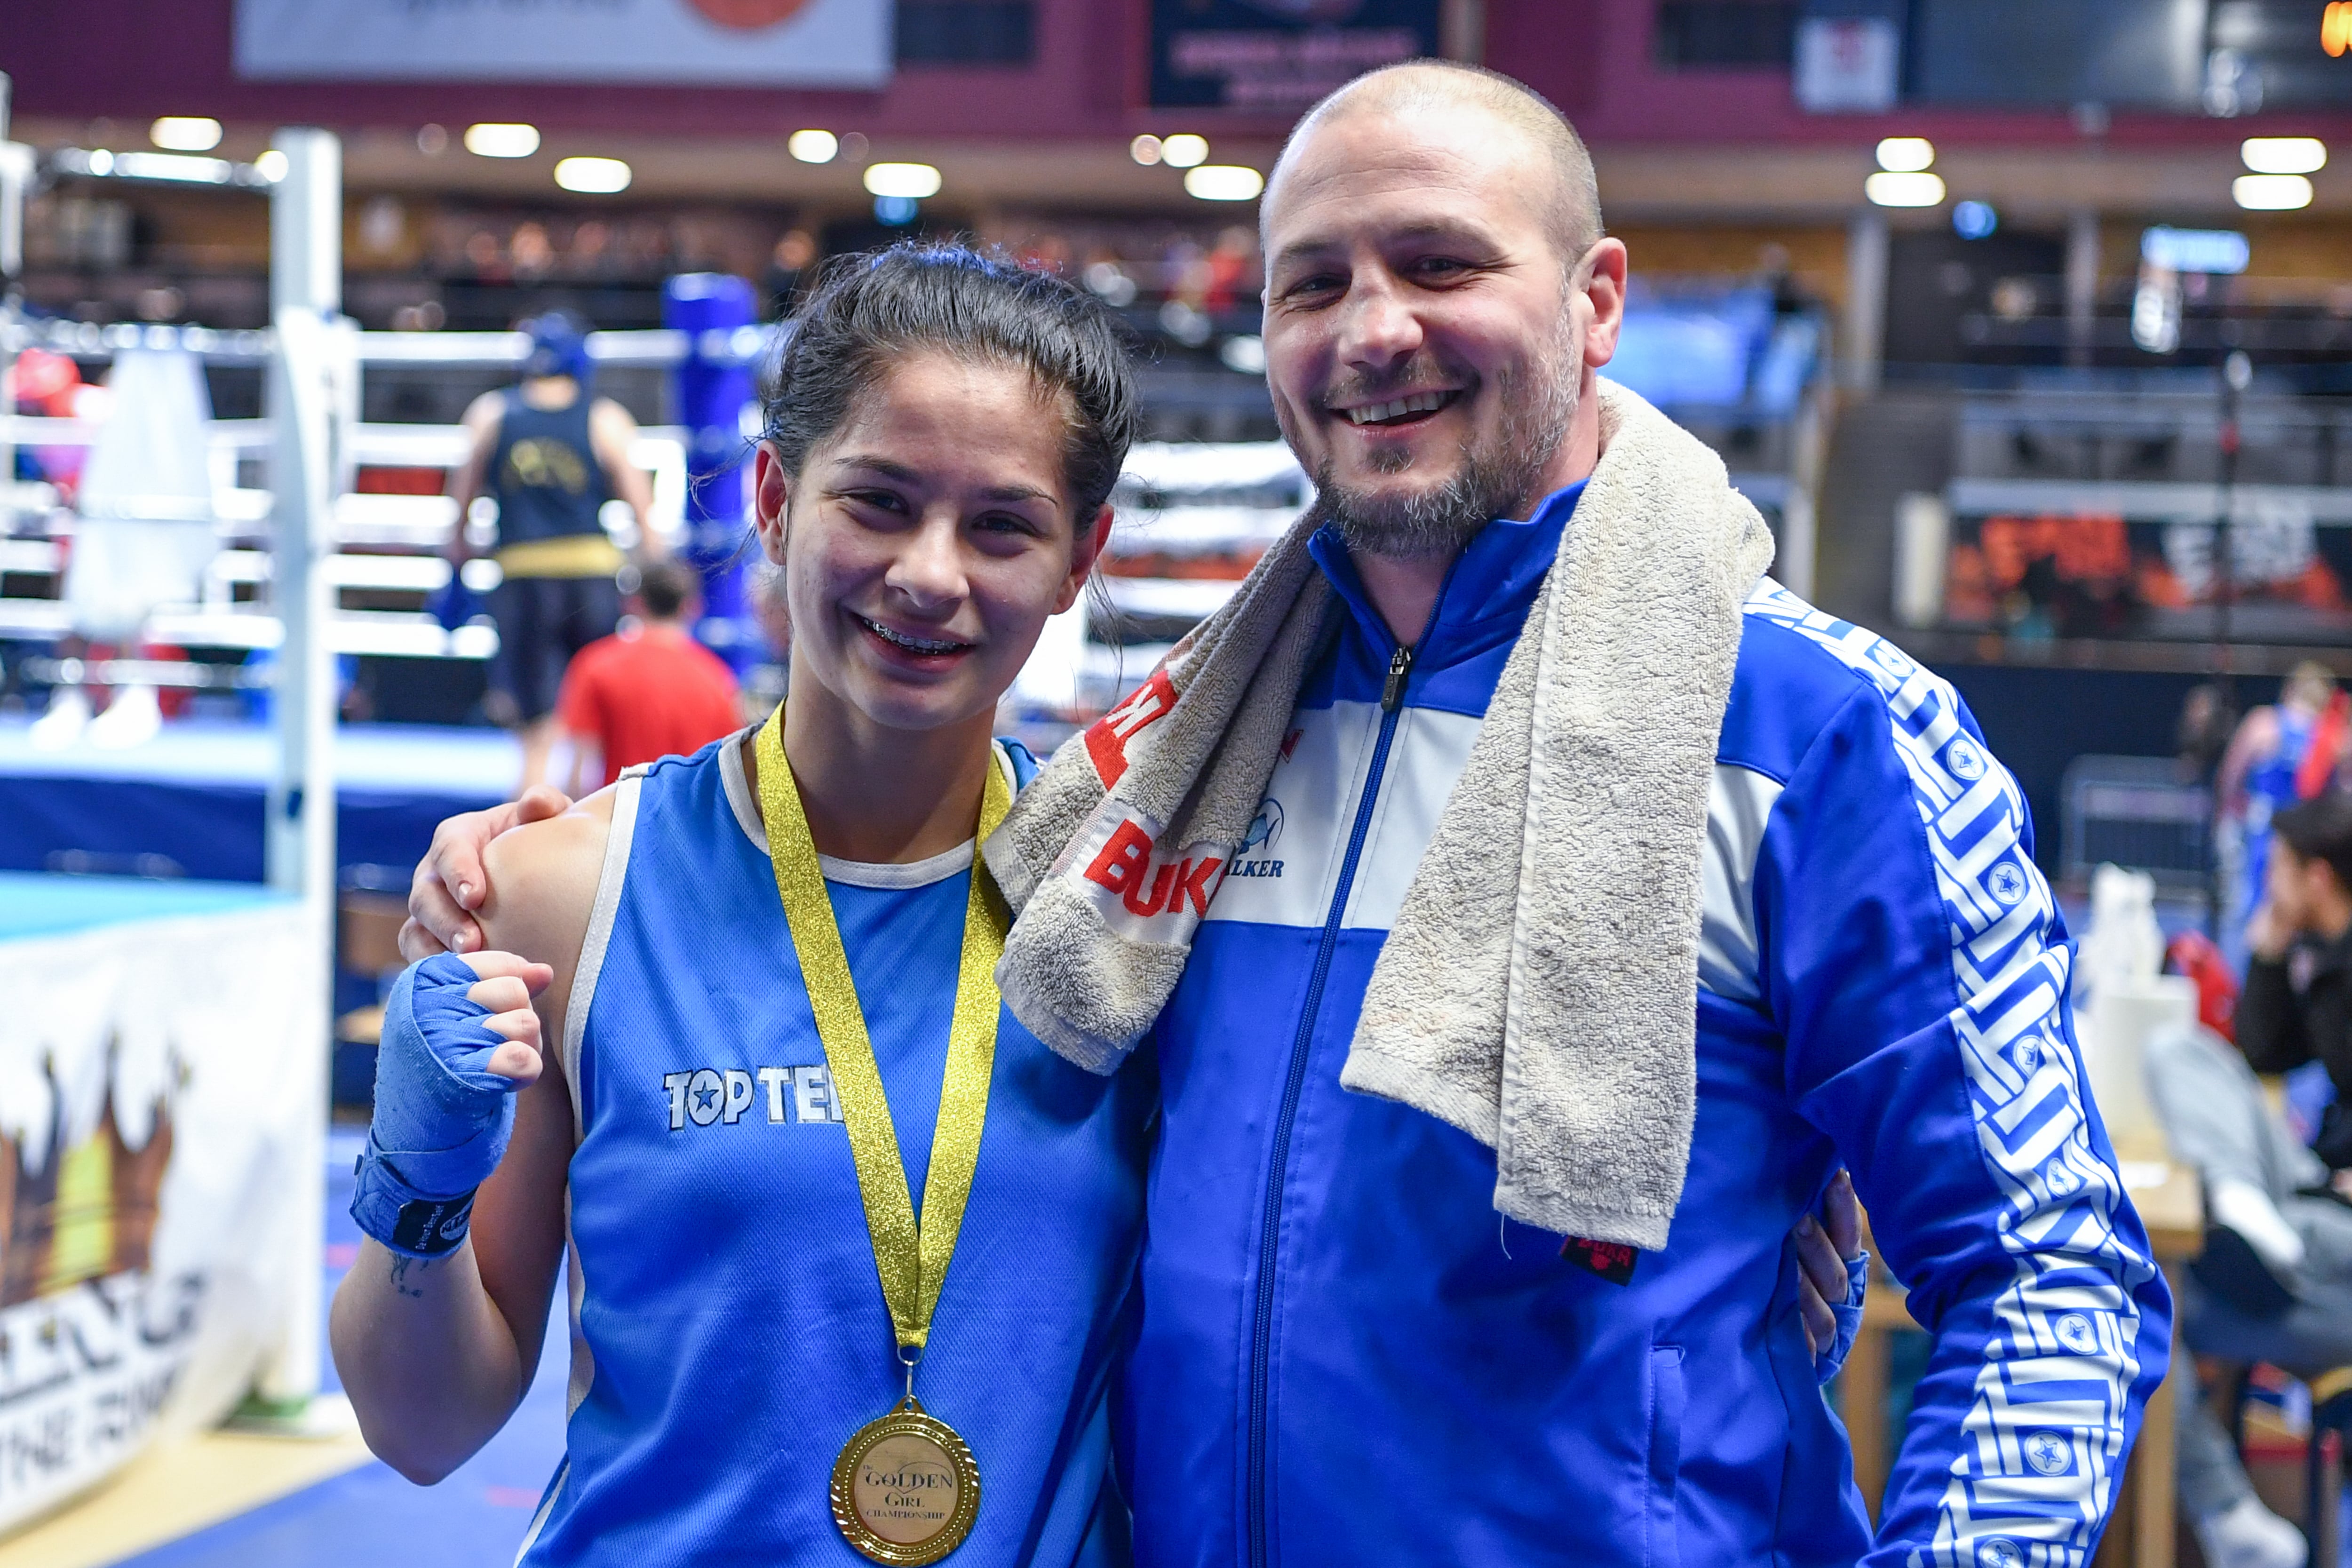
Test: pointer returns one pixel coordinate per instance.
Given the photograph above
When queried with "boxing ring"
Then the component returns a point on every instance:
(163, 1041)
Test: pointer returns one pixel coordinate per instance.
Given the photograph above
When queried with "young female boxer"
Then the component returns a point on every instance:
(757, 970)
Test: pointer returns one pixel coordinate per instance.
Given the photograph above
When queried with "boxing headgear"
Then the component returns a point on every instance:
(558, 346)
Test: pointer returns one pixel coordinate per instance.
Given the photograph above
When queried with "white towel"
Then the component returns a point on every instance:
(1538, 989)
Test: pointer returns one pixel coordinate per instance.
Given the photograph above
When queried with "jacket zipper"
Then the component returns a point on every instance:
(1278, 1164)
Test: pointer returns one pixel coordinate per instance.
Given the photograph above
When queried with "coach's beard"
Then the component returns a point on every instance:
(1495, 479)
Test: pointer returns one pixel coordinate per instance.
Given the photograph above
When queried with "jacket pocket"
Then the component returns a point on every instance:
(1658, 1549)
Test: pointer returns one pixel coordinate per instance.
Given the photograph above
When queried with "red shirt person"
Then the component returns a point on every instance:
(649, 690)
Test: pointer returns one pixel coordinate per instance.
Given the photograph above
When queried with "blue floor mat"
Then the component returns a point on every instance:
(370, 1516)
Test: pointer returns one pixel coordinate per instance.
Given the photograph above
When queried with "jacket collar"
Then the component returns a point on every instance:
(1487, 591)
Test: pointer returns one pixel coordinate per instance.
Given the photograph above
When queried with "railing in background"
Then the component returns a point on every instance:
(2136, 812)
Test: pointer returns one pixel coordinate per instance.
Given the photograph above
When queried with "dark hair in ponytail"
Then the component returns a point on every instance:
(869, 312)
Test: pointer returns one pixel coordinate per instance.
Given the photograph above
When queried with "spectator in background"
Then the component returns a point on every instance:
(648, 690)
(1233, 281)
(550, 455)
(2281, 754)
(2273, 1284)
(2200, 734)
(2297, 1004)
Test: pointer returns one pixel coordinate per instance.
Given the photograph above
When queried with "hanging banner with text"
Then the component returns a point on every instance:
(157, 1111)
(1278, 57)
(2147, 570)
(805, 42)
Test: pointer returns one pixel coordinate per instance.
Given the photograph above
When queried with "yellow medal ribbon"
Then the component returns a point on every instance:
(912, 1260)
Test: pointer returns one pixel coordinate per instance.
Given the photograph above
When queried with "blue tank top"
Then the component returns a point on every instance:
(729, 1332)
(545, 473)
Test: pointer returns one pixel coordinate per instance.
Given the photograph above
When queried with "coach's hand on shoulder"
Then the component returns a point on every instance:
(459, 1038)
(450, 883)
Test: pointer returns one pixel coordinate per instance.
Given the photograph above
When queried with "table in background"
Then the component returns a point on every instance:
(2140, 1525)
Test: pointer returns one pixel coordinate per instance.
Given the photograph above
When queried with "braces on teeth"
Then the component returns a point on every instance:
(915, 645)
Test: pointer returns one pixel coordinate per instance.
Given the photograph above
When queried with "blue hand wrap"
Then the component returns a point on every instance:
(442, 1117)
(1848, 1314)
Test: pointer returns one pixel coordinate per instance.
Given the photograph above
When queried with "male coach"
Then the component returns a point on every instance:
(1530, 908)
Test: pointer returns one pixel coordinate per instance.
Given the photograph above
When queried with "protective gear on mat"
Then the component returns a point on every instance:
(442, 1117)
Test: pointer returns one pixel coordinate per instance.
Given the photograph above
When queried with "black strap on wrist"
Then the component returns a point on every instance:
(432, 1228)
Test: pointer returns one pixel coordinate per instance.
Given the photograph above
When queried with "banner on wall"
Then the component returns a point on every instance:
(2107, 576)
(805, 43)
(154, 1104)
(1278, 57)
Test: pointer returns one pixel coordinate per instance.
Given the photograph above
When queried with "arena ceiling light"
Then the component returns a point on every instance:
(1224, 182)
(1904, 189)
(1185, 150)
(2283, 154)
(814, 146)
(2271, 192)
(592, 176)
(1146, 149)
(183, 168)
(174, 166)
(908, 182)
(1906, 155)
(491, 140)
(185, 134)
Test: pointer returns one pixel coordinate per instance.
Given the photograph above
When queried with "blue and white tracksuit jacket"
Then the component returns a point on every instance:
(1346, 1357)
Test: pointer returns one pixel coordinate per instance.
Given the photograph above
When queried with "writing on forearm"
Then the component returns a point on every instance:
(403, 1268)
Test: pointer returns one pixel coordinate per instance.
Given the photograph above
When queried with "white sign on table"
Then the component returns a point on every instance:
(807, 43)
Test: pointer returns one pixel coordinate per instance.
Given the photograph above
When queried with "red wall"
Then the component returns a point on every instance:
(1597, 66)
(135, 58)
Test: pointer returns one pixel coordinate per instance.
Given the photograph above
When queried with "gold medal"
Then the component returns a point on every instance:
(905, 1488)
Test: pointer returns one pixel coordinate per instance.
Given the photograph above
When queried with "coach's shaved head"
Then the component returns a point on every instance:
(1439, 296)
(1421, 87)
